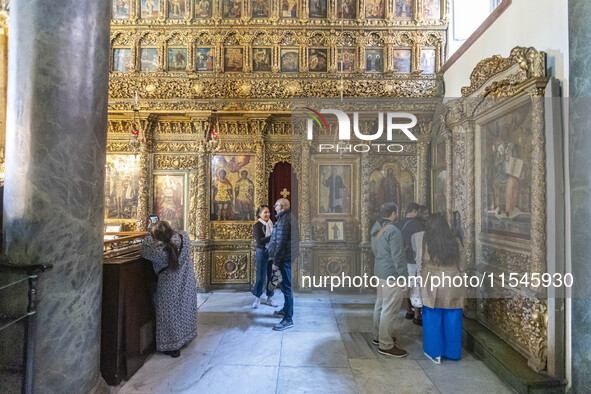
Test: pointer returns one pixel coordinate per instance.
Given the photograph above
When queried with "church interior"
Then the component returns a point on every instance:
(195, 111)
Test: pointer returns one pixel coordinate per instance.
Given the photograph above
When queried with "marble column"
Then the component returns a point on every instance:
(579, 120)
(53, 198)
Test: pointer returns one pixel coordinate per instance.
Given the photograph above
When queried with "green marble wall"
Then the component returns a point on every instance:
(579, 15)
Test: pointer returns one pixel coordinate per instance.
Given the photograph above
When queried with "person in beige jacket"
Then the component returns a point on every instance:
(443, 298)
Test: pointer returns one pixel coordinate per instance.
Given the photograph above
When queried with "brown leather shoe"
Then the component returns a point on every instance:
(394, 352)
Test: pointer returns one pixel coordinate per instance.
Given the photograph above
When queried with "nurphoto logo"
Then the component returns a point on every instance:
(395, 122)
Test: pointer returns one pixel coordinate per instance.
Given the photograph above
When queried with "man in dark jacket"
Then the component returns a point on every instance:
(283, 247)
(408, 226)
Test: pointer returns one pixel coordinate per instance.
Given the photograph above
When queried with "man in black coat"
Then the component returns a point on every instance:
(283, 248)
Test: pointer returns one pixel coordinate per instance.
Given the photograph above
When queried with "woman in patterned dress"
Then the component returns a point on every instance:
(176, 294)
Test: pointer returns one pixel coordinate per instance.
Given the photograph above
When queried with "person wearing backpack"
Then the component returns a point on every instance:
(408, 226)
(390, 263)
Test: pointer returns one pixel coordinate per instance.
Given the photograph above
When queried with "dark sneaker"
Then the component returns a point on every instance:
(279, 313)
(394, 352)
(409, 315)
(377, 343)
(173, 353)
(283, 325)
(418, 322)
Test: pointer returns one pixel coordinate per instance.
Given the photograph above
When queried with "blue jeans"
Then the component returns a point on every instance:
(285, 269)
(263, 270)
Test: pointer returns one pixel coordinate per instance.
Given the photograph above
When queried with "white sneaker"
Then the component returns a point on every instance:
(436, 360)
(271, 302)
(256, 303)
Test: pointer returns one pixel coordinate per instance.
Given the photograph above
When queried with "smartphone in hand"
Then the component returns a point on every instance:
(153, 219)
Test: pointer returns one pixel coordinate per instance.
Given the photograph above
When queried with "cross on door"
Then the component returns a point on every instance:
(284, 193)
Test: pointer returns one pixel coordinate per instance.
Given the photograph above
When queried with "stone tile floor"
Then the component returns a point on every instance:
(329, 350)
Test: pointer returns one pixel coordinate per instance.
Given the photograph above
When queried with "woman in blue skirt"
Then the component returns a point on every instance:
(443, 257)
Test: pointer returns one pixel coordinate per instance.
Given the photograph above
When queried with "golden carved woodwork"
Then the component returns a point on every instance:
(193, 204)
(200, 262)
(175, 162)
(522, 322)
(335, 264)
(231, 231)
(531, 64)
(231, 267)
(254, 107)
(518, 80)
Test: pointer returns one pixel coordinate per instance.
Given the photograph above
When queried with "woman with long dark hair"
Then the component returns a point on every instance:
(261, 231)
(443, 255)
(176, 294)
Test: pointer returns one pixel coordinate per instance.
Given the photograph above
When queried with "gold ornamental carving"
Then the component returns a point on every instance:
(200, 262)
(193, 204)
(170, 162)
(181, 147)
(336, 265)
(523, 321)
(531, 63)
(231, 231)
(230, 267)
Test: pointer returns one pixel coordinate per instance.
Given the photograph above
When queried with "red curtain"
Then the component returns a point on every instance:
(283, 180)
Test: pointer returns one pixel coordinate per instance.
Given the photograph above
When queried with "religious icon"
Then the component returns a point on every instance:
(232, 9)
(374, 9)
(121, 186)
(318, 9)
(121, 59)
(150, 9)
(233, 60)
(334, 189)
(317, 60)
(438, 199)
(177, 59)
(232, 190)
(374, 60)
(403, 9)
(290, 60)
(204, 59)
(149, 59)
(431, 9)
(506, 151)
(121, 9)
(346, 60)
(203, 9)
(261, 59)
(335, 230)
(169, 199)
(176, 9)
(428, 61)
(389, 184)
(289, 8)
(401, 59)
(244, 195)
(346, 9)
(260, 8)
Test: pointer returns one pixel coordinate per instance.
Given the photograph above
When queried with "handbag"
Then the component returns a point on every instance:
(276, 279)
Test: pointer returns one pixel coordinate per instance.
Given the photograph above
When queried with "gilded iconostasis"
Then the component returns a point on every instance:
(199, 117)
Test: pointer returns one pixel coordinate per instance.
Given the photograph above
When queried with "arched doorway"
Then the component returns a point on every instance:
(283, 183)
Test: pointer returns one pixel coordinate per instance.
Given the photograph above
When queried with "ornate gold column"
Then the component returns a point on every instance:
(143, 203)
(200, 246)
(304, 195)
(470, 218)
(538, 198)
(449, 178)
(364, 225)
(423, 172)
(306, 255)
